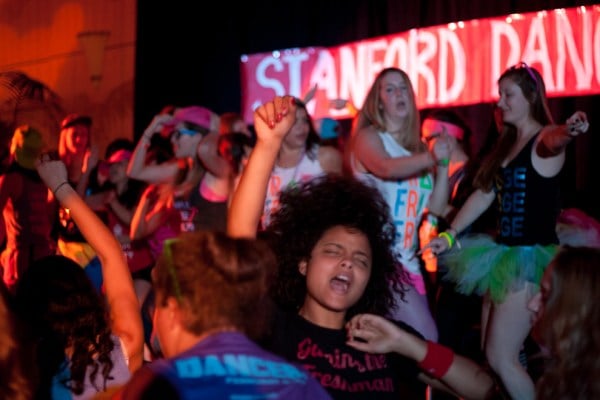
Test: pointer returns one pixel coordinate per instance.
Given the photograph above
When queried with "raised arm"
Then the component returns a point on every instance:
(118, 285)
(271, 121)
(148, 214)
(208, 154)
(138, 168)
(442, 368)
(441, 189)
(90, 161)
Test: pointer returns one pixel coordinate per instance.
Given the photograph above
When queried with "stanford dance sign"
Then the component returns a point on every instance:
(450, 65)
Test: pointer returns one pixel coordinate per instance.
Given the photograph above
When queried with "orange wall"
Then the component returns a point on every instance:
(39, 38)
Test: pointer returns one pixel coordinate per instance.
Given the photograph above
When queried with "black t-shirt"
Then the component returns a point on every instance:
(345, 372)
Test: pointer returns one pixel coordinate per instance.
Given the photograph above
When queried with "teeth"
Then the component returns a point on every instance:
(343, 278)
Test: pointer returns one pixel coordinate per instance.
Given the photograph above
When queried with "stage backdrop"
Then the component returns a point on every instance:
(449, 65)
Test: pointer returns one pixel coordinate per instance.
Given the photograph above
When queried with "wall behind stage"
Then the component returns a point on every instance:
(186, 57)
(40, 39)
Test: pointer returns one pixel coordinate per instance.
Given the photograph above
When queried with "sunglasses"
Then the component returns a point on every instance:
(183, 131)
(523, 65)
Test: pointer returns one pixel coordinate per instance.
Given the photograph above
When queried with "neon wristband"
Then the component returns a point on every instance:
(443, 162)
(438, 360)
(449, 238)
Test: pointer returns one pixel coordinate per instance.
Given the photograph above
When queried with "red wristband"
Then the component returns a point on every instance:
(438, 360)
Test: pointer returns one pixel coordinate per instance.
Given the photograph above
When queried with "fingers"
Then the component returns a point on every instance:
(578, 122)
(436, 246)
(275, 111)
(46, 157)
(272, 111)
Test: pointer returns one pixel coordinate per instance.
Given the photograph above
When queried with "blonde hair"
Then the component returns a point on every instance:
(372, 112)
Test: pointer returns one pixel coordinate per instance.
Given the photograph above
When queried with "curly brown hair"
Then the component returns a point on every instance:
(15, 383)
(62, 309)
(307, 211)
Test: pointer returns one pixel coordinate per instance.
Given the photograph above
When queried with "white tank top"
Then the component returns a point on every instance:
(283, 178)
(407, 199)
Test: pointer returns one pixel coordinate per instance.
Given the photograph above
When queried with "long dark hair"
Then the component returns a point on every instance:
(313, 138)
(62, 309)
(16, 383)
(532, 85)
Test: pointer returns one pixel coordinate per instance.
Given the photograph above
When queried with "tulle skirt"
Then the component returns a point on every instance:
(482, 266)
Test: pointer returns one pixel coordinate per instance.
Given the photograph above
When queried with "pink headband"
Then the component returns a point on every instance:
(431, 126)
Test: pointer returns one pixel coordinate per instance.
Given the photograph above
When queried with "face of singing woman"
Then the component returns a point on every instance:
(395, 95)
(338, 270)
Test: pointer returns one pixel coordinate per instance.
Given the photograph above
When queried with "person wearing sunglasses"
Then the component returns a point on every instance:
(174, 183)
(186, 127)
(523, 172)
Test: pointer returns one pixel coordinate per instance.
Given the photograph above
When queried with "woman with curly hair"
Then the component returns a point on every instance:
(332, 237)
(211, 301)
(567, 317)
(84, 341)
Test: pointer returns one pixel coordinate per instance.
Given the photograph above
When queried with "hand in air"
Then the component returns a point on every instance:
(273, 119)
(51, 169)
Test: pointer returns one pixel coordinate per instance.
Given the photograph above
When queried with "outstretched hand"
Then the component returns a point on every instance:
(578, 123)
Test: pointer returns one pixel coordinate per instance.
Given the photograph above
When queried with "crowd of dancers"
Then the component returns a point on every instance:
(216, 259)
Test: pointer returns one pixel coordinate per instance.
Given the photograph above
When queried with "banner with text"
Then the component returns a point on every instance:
(449, 65)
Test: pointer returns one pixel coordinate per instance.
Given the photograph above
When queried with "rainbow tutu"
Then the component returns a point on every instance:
(482, 266)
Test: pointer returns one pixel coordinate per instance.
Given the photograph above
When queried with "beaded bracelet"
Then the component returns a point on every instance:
(59, 186)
